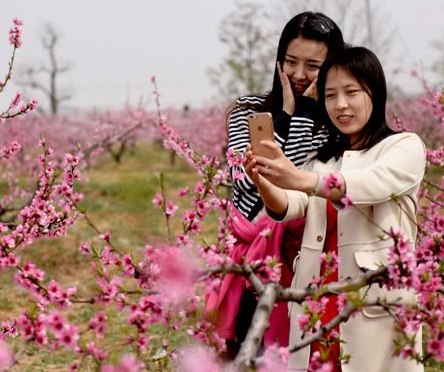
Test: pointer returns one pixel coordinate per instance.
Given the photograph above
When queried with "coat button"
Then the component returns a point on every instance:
(319, 238)
(341, 234)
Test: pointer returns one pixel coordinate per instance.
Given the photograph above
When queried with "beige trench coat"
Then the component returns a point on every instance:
(393, 166)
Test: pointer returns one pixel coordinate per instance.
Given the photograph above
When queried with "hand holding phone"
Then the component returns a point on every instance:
(261, 128)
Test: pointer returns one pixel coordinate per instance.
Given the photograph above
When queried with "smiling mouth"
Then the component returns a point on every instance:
(344, 119)
(299, 88)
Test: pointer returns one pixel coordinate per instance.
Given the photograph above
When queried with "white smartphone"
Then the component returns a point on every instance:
(261, 128)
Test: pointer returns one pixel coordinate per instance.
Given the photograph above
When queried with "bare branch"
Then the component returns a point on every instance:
(52, 70)
(259, 325)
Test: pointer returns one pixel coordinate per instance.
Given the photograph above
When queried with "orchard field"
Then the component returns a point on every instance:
(118, 199)
(114, 225)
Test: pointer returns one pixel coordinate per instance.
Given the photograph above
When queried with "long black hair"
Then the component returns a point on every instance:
(311, 26)
(365, 67)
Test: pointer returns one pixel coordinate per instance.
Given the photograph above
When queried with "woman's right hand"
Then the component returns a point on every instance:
(273, 197)
(287, 92)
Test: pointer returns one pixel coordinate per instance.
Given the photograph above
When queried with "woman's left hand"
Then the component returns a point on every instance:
(312, 90)
(274, 198)
(280, 171)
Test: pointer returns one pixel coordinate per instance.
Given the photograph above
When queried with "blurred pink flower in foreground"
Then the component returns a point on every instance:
(197, 359)
(6, 357)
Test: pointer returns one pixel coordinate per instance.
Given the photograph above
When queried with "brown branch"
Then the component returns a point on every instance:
(275, 292)
(259, 325)
(245, 270)
(347, 285)
(432, 184)
(341, 317)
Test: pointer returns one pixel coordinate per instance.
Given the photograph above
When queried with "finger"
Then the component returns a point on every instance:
(263, 169)
(265, 163)
(249, 162)
(274, 147)
(283, 77)
(248, 154)
(312, 90)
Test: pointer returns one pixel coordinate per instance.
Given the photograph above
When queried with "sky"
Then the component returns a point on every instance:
(115, 46)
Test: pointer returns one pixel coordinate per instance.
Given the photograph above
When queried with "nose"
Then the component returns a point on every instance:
(341, 102)
(299, 72)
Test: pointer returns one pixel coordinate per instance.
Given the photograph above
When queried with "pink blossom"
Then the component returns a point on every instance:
(97, 323)
(128, 266)
(195, 226)
(202, 207)
(268, 269)
(341, 301)
(303, 321)
(435, 346)
(16, 100)
(346, 201)
(238, 175)
(142, 343)
(68, 336)
(128, 363)
(184, 192)
(177, 273)
(106, 236)
(15, 33)
(189, 215)
(97, 353)
(401, 261)
(317, 365)
(10, 151)
(274, 359)
(234, 158)
(330, 182)
(199, 188)
(6, 357)
(85, 249)
(330, 262)
(158, 200)
(171, 208)
(108, 257)
(183, 240)
(109, 289)
(33, 102)
(197, 359)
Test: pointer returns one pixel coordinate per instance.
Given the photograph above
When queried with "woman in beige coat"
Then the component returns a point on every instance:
(373, 164)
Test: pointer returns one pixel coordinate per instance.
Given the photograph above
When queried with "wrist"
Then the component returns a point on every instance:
(312, 183)
(289, 109)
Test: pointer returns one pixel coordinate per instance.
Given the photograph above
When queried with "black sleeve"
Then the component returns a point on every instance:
(281, 124)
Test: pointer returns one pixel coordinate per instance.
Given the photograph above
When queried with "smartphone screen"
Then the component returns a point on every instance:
(261, 128)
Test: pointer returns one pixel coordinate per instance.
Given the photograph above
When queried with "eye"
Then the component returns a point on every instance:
(290, 62)
(313, 67)
(330, 96)
(352, 92)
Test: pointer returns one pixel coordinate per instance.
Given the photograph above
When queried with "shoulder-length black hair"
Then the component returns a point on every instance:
(311, 26)
(365, 67)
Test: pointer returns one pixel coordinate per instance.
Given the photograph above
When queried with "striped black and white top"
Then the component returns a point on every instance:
(294, 134)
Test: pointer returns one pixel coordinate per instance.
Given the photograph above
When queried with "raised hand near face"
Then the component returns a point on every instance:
(312, 90)
(287, 92)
